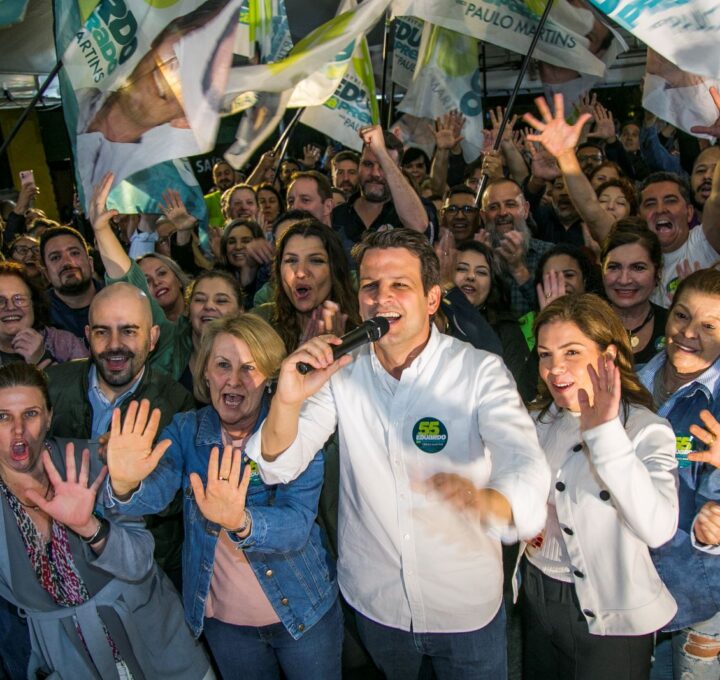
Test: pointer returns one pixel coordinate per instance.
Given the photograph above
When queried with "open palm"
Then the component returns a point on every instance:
(556, 135)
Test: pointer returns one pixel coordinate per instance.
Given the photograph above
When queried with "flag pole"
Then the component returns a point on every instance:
(386, 52)
(284, 140)
(513, 96)
(23, 116)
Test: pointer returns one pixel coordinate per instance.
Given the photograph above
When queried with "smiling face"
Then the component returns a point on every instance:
(504, 209)
(570, 270)
(693, 333)
(416, 169)
(16, 313)
(562, 203)
(235, 383)
(237, 243)
(667, 214)
(26, 251)
(614, 201)
(305, 272)
(163, 285)
(391, 285)
(243, 205)
(564, 353)
(223, 176)
(211, 298)
(24, 423)
(472, 276)
(461, 216)
(629, 276)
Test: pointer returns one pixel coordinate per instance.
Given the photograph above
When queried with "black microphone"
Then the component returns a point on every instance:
(368, 331)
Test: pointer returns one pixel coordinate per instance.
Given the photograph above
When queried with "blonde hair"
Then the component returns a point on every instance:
(265, 345)
(598, 322)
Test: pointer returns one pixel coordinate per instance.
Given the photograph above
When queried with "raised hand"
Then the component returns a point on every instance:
(707, 524)
(586, 103)
(708, 436)
(261, 251)
(332, 319)
(492, 164)
(222, 500)
(543, 164)
(444, 132)
(551, 288)
(446, 252)
(73, 500)
(556, 136)
(311, 155)
(130, 453)
(174, 209)
(714, 129)
(29, 344)
(606, 394)
(98, 214)
(496, 118)
(372, 136)
(604, 124)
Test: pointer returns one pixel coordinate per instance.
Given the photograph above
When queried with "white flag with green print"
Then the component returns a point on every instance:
(265, 23)
(446, 78)
(352, 106)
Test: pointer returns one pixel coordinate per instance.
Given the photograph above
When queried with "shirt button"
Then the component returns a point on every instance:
(579, 574)
(406, 537)
(568, 531)
(604, 495)
(577, 447)
(269, 573)
(589, 613)
(560, 486)
(301, 627)
(285, 602)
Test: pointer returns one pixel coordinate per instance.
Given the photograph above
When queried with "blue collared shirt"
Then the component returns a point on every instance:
(102, 407)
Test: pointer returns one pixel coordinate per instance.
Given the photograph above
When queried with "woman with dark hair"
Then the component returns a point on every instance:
(271, 204)
(312, 285)
(592, 597)
(234, 257)
(476, 276)
(618, 197)
(95, 602)
(607, 170)
(25, 250)
(685, 383)
(565, 269)
(631, 261)
(24, 315)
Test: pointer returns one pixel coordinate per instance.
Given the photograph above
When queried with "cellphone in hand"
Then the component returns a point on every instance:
(27, 177)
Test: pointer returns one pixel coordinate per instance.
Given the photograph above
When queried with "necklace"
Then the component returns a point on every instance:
(634, 340)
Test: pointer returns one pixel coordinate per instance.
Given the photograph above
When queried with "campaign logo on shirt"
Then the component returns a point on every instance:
(254, 472)
(430, 435)
(672, 286)
(684, 444)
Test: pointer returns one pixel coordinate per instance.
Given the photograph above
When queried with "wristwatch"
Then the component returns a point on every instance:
(102, 531)
(247, 524)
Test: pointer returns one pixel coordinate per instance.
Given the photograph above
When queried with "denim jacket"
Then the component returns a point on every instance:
(284, 548)
(691, 573)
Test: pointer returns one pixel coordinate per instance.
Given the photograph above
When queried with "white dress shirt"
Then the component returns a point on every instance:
(407, 559)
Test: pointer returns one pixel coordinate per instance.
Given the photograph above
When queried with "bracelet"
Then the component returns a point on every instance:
(245, 525)
(100, 533)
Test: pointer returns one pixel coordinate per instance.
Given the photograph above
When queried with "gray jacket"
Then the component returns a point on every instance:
(129, 595)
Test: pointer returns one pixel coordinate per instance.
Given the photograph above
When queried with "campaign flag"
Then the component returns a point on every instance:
(446, 78)
(677, 96)
(12, 11)
(408, 31)
(352, 106)
(111, 22)
(685, 32)
(263, 23)
(511, 24)
(318, 49)
(146, 83)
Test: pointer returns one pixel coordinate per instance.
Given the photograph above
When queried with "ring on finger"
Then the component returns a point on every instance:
(224, 479)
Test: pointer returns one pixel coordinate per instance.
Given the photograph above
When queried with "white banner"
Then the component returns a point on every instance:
(408, 32)
(511, 24)
(353, 104)
(446, 78)
(683, 31)
(263, 22)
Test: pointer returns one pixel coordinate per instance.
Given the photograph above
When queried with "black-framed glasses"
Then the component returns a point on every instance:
(464, 209)
(17, 301)
(22, 251)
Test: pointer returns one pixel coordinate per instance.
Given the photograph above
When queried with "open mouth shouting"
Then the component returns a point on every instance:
(20, 451)
(232, 400)
(116, 361)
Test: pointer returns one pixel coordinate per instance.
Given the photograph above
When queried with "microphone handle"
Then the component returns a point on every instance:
(338, 351)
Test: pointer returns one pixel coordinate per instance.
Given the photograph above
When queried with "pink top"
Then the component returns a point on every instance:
(236, 596)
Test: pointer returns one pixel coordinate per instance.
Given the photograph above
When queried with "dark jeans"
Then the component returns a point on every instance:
(260, 653)
(404, 655)
(14, 642)
(557, 643)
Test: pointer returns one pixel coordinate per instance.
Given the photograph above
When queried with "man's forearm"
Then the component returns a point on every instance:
(116, 260)
(439, 171)
(407, 203)
(280, 429)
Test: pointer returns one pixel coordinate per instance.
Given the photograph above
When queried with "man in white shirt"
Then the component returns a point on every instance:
(414, 404)
(666, 205)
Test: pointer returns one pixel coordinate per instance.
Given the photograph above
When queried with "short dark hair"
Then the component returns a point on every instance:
(412, 154)
(591, 145)
(290, 215)
(657, 177)
(631, 230)
(345, 155)
(458, 189)
(589, 271)
(61, 230)
(323, 183)
(413, 241)
(628, 191)
(606, 164)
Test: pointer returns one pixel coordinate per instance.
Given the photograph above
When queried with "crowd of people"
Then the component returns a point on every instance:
(179, 500)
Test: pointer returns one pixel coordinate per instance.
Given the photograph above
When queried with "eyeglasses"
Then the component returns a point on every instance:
(22, 251)
(17, 301)
(465, 209)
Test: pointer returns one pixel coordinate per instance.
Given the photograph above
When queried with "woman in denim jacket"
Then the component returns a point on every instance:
(256, 577)
(685, 382)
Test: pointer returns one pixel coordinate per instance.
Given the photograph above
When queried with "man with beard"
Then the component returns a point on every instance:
(386, 199)
(459, 213)
(84, 393)
(224, 177)
(65, 256)
(701, 177)
(505, 212)
(344, 169)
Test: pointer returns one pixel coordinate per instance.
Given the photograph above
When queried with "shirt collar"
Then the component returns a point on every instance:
(94, 387)
(708, 382)
(418, 364)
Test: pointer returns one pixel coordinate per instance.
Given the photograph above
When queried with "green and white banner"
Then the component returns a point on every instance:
(446, 78)
(408, 32)
(512, 23)
(263, 23)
